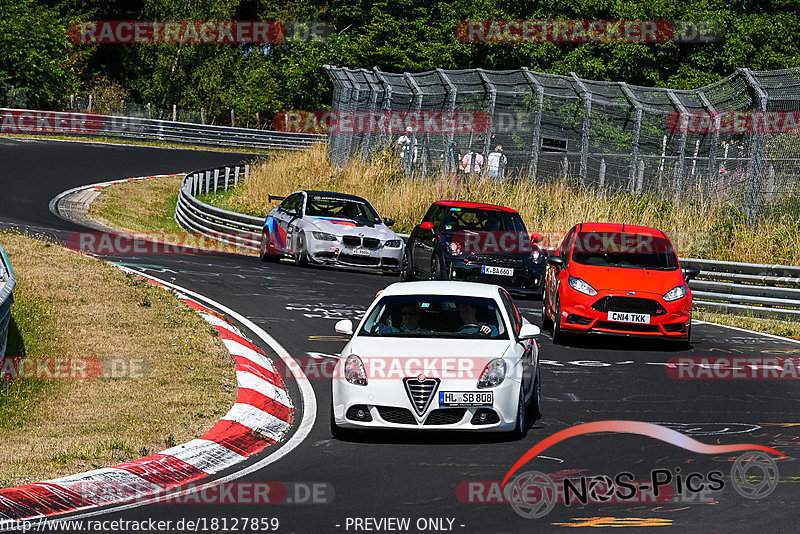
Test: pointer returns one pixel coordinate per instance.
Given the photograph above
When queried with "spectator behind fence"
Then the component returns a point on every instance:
(497, 162)
(472, 162)
(407, 150)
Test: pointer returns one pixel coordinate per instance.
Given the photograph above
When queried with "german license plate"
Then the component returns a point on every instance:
(502, 271)
(625, 317)
(361, 252)
(465, 398)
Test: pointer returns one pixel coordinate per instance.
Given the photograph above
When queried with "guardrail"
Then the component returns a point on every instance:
(26, 121)
(722, 286)
(225, 226)
(753, 289)
(7, 283)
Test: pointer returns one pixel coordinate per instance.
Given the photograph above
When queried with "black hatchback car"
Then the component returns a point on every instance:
(475, 242)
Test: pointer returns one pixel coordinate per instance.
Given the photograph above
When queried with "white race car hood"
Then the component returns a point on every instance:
(395, 357)
(345, 227)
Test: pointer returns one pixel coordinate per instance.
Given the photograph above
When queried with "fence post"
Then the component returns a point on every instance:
(233, 118)
(387, 102)
(246, 171)
(89, 107)
(418, 97)
(216, 179)
(680, 165)
(565, 168)
(452, 93)
(637, 130)
(227, 174)
(712, 149)
(537, 121)
(640, 178)
(601, 179)
(373, 104)
(492, 102)
(149, 111)
(756, 149)
(236, 176)
(174, 112)
(202, 115)
(353, 90)
(207, 182)
(585, 129)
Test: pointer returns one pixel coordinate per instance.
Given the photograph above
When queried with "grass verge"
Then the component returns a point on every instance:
(776, 327)
(56, 427)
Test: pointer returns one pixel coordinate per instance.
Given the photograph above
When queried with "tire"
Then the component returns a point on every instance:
(437, 268)
(522, 416)
(300, 254)
(547, 323)
(263, 249)
(406, 269)
(558, 334)
(534, 410)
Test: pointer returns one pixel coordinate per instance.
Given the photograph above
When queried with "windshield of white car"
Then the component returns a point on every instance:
(439, 316)
(631, 251)
(341, 208)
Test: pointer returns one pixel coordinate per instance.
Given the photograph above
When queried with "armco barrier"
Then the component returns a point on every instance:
(753, 289)
(7, 283)
(26, 121)
(226, 226)
(722, 286)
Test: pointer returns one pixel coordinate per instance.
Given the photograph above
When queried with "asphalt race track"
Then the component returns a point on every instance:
(425, 476)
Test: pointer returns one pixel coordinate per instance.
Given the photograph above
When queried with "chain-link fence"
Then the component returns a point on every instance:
(610, 135)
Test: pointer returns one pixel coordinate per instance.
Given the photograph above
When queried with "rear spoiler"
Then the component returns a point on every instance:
(273, 198)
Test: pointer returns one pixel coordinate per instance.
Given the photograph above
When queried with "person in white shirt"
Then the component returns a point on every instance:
(407, 150)
(497, 163)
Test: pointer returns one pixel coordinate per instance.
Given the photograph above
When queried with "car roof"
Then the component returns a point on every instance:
(620, 227)
(335, 195)
(456, 289)
(479, 205)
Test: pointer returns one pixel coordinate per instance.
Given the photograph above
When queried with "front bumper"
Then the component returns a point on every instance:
(580, 315)
(527, 278)
(335, 253)
(389, 407)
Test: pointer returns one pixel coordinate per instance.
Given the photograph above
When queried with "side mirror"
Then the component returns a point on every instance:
(690, 272)
(537, 238)
(528, 331)
(345, 326)
(388, 221)
(555, 261)
(427, 226)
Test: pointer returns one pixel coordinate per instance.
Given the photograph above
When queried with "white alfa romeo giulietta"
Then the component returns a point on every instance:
(438, 356)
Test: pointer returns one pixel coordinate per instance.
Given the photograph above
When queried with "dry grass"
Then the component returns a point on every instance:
(148, 207)
(702, 227)
(139, 206)
(776, 327)
(72, 306)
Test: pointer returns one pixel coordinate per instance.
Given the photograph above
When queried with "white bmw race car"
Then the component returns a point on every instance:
(330, 228)
(438, 356)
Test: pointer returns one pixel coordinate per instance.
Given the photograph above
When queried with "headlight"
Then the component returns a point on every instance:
(323, 236)
(537, 256)
(493, 374)
(676, 293)
(579, 285)
(393, 243)
(354, 370)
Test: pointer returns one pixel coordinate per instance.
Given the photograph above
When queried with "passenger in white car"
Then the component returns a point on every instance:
(411, 316)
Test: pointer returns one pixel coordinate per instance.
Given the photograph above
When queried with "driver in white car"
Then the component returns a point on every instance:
(411, 316)
(468, 314)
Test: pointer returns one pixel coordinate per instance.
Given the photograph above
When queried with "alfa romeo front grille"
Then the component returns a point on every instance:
(421, 392)
(629, 305)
